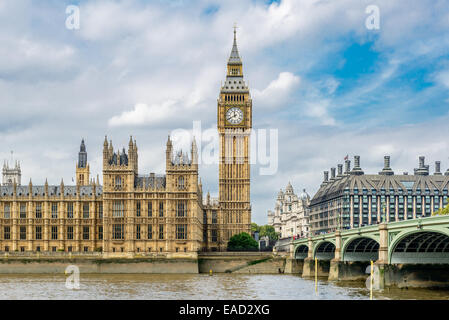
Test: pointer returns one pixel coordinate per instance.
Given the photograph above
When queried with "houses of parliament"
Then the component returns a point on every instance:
(133, 213)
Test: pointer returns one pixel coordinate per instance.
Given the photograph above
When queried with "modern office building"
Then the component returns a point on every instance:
(351, 198)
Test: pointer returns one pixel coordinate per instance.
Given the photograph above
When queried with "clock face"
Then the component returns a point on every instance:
(234, 115)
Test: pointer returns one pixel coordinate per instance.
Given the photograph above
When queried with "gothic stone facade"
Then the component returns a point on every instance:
(51, 218)
(352, 199)
(134, 213)
(234, 116)
(11, 175)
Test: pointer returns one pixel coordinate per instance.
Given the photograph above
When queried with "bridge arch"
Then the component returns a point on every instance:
(301, 251)
(422, 246)
(360, 248)
(324, 250)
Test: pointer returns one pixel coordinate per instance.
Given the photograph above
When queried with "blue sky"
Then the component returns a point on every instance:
(328, 84)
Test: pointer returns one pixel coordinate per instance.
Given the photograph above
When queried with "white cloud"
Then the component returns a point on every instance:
(277, 92)
(443, 78)
(315, 151)
(24, 56)
(143, 114)
(58, 86)
(319, 109)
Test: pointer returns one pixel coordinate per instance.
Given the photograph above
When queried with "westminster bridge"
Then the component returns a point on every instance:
(406, 253)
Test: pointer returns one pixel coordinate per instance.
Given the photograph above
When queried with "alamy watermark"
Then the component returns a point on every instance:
(73, 279)
(257, 146)
(375, 278)
(372, 22)
(72, 22)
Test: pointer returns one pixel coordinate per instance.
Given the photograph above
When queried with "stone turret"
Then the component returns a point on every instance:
(280, 194)
(11, 174)
(82, 167)
(168, 152)
(62, 187)
(289, 188)
(194, 152)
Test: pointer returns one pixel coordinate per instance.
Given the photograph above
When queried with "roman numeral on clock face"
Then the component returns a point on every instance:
(234, 115)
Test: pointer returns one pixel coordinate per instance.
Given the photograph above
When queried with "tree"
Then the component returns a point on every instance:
(242, 242)
(254, 227)
(265, 230)
(269, 231)
(442, 211)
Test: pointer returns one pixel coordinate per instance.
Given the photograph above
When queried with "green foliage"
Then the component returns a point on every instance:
(442, 211)
(268, 231)
(242, 242)
(265, 230)
(255, 227)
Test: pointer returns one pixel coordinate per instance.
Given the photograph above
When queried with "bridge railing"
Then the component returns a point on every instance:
(283, 245)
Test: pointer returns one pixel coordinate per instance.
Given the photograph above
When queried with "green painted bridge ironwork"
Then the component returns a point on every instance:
(415, 241)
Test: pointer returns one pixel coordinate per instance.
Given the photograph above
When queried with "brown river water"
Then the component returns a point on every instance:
(196, 287)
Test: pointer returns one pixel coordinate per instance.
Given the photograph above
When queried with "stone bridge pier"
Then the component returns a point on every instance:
(352, 259)
(321, 256)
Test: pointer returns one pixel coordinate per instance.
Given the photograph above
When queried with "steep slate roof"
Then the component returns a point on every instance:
(234, 83)
(155, 181)
(234, 58)
(181, 158)
(398, 183)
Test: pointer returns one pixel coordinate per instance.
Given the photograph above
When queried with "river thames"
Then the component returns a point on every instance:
(196, 287)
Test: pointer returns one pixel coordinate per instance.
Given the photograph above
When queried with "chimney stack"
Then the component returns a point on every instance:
(387, 170)
(422, 170)
(339, 170)
(437, 168)
(326, 176)
(332, 174)
(357, 170)
(347, 166)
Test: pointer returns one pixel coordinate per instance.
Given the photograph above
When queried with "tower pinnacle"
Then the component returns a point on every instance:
(82, 167)
(234, 58)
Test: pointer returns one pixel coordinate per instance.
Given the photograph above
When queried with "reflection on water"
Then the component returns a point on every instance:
(200, 286)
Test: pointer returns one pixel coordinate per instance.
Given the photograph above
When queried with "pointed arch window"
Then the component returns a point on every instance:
(118, 209)
(181, 183)
(118, 182)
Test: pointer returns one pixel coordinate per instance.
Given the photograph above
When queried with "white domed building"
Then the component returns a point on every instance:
(290, 216)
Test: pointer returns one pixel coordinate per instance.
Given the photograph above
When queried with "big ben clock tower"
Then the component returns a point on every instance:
(234, 117)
